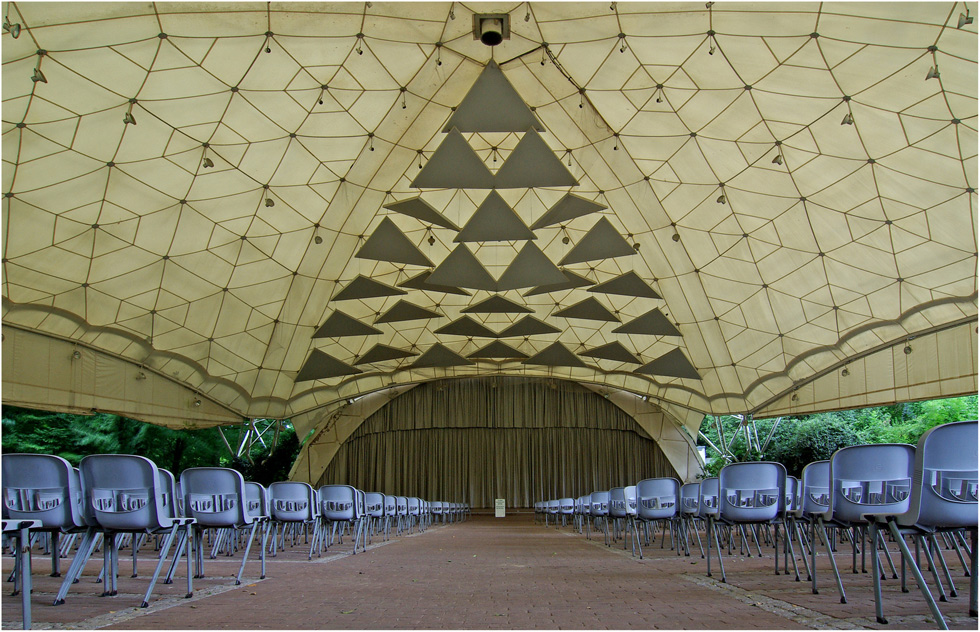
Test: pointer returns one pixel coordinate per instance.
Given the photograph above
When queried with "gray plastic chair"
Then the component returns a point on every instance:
(414, 513)
(863, 479)
(689, 510)
(374, 512)
(127, 494)
(46, 489)
(292, 503)
(217, 498)
(552, 508)
(794, 500)
(391, 512)
(752, 492)
(598, 510)
(708, 509)
(566, 508)
(657, 501)
(401, 508)
(943, 498)
(259, 507)
(617, 512)
(339, 505)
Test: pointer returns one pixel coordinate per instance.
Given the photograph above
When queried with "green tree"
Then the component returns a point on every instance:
(801, 440)
(812, 439)
(76, 436)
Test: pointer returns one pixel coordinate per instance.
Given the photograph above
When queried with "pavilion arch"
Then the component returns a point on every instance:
(615, 435)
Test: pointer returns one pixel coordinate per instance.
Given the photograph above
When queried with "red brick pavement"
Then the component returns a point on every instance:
(486, 573)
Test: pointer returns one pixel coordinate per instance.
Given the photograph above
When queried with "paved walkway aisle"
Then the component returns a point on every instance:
(484, 574)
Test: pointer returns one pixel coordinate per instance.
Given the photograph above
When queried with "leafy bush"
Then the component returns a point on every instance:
(798, 441)
(812, 439)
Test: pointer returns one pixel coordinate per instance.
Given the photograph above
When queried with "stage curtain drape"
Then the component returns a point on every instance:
(476, 440)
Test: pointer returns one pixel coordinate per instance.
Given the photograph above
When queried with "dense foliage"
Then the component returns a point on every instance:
(75, 436)
(801, 440)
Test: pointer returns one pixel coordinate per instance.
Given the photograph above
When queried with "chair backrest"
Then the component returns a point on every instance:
(944, 493)
(793, 488)
(123, 491)
(815, 495)
(869, 479)
(401, 505)
(566, 506)
(292, 501)
(375, 502)
(657, 498)
(414, 506)
(42, 487)
(214, 496)
(391, 507)
(338, 502)
(617, 502)
(752, 491)
(257, 500)
(361, 505)
(690, 499)
(437, 507)
(630, 493)
(599, 504)
(554, 506)
(168, 487)
(708, 498)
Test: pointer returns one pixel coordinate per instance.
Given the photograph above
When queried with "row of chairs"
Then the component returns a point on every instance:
(111, 500)
(927, 493)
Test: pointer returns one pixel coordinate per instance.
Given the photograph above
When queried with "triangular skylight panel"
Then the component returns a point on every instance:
(497, 349)
(601, 242)
(528, 326)
(529, 268)
(571, 281)
(492, 105)
(466, 326)
(671, 364)
(364, 287)
(612, 351)
(653, 323)
(421, 210)
(439, 356)
(629, 284)
(388, 243)
(320, 366)
(403, 310)
(454, 165)
(383, 353)
(533, 164)
(589, 309)
(494, 220)
(421, 282)
(555, 354)
(339, 325)
(567, 208)
(497, 304)
(462, 269)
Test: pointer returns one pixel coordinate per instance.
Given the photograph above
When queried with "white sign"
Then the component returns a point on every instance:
(499, 507)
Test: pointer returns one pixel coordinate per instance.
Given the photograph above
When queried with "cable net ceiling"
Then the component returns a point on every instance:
(189, 185)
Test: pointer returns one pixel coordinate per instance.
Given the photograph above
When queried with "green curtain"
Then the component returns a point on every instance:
(478, 439)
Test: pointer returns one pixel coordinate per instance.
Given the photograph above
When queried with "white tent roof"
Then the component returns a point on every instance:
(791, 185)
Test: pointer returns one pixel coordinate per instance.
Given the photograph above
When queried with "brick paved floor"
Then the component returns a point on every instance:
(486, 574)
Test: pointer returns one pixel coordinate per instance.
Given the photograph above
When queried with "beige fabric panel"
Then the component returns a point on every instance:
(42, 372)
(476, 440)
(941, 364)
(672, 437)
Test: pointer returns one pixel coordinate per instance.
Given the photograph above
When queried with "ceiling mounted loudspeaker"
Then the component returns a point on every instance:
(491, 28)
